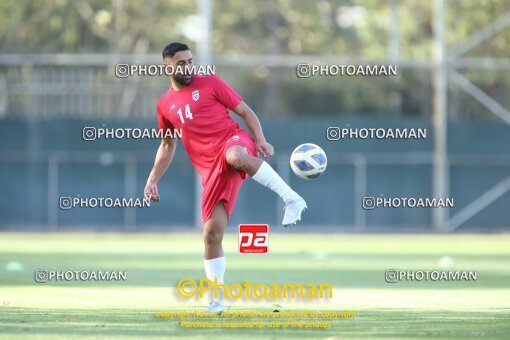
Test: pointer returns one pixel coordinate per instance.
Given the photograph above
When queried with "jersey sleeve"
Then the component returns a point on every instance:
(163, 123)
(226, 94)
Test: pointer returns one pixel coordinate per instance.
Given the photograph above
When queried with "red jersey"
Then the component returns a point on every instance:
(200, 110)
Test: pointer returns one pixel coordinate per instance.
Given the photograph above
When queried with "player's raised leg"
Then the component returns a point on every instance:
(214, 258)
(238, 157)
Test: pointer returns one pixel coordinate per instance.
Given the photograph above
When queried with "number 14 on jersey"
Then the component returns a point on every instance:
(187, 113)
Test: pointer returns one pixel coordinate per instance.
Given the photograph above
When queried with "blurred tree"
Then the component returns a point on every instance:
(346, 28)
(94, 26)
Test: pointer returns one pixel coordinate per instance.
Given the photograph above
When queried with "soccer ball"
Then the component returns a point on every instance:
(308, 161)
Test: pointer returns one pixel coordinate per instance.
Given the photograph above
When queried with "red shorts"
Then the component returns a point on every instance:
(224, 182)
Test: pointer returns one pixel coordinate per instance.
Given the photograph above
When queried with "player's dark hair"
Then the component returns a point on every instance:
(173, 48)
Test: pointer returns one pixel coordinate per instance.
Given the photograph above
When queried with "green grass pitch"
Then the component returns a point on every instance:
(353, 264)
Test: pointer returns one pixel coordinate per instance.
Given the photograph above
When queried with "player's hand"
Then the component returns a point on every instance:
(266, 149)
(151, 192)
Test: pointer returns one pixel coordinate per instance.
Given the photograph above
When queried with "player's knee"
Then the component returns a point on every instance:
(212, 236)
(236, 157)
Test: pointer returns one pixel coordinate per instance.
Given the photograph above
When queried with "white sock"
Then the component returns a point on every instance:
(266, 176)
(215, 269)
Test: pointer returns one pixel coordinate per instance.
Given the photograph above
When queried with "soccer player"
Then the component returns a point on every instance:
(222, 152)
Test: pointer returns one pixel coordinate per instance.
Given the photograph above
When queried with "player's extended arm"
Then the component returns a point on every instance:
(163, 159)
(253, 123)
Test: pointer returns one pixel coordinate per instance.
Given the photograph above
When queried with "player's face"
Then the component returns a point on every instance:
(182, 63)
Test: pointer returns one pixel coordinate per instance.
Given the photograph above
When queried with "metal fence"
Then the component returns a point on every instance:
(84, 86)
(129, 183)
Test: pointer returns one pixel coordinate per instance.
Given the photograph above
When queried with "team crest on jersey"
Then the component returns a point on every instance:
(195, 95)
